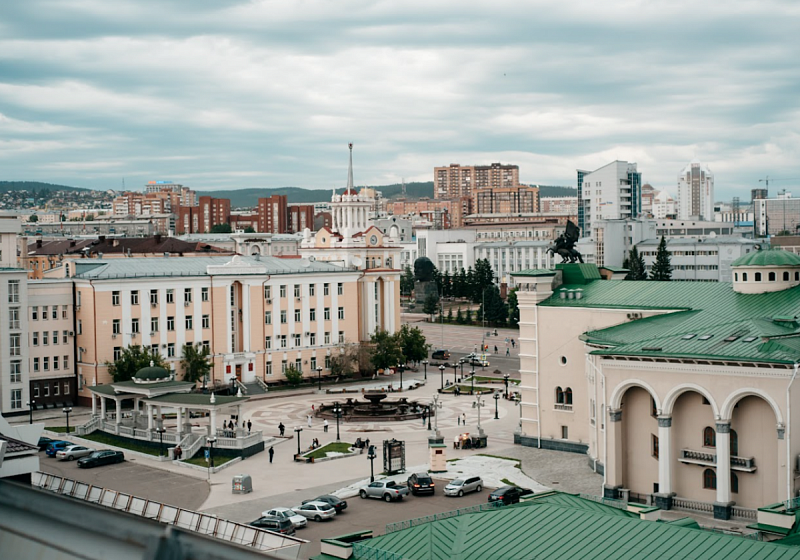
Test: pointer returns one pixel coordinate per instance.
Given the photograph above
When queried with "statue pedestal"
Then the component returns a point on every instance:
(424, 289)
(438, 454)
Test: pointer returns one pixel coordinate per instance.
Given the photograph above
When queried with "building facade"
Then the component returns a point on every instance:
(777, 215)
(506, 200)
(702, 259)
(456, 180)
(559, 205)
(695, 192)
(612, 192)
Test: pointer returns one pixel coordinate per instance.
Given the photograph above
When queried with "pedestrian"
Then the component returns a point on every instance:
(366, 444)
(424, 417)
(495, 349)
(456, 441)
(464, 418)
(325, 426)
(309, 420)
(271, 454)
(513, 344)
(281, 428)
(508, 351)
(249, 426)
(177, 453)
(458, 417)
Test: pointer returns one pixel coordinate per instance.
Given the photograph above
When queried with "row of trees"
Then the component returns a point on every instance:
(498, 313)
(466, 284)
(194, 362)
(637, 270)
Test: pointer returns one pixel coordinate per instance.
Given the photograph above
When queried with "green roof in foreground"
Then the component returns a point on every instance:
(536, 272)
(769, 257)
(544, 530)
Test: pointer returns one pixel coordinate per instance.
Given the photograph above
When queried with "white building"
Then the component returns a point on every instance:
(613, 240)
(695, 192)
(663, 205)
(507, 257)
(705, 259)
(612, 192)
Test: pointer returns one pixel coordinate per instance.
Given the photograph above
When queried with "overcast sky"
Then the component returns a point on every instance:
(226, 94)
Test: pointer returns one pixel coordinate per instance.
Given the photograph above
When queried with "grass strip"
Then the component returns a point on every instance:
(334, 447)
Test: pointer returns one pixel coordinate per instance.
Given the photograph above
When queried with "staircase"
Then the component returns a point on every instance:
(254, 388)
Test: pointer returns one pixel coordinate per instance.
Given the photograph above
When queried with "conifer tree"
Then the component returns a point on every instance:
(662, 269)
(637, 270)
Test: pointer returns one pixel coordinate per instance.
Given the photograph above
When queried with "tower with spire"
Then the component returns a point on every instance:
(350, 210)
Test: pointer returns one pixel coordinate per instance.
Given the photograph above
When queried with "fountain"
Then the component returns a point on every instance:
(376, 406)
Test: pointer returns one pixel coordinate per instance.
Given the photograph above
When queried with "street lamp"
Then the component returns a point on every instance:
(518, 402)
(455, 374)
(479, 404)
(429, 417)
(472, 382)
(425, 363)
(371, 456)
(496, 398)
(319, 378)
(211, 441)
(400, 368)
(441, 371)
(505, 380)
(30, 410)
(337, 411)
(161, 441)
(67, 411)
(297, 430)
(461, 362)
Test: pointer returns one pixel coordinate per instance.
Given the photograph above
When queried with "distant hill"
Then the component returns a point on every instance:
(30, 186)
(549, 192)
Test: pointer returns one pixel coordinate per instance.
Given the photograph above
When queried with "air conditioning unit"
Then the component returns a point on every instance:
(153, 304)
(269, 302)
(71, 333)
(634, 316)
(308, 334)
(113, 335)
(186, 303)
(134, 334)
(153, 333)
(163, 346)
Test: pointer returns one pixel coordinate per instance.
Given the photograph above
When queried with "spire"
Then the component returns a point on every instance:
(350, 169)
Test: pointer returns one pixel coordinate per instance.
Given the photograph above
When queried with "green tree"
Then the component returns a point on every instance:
(194, 361)
(221, 228)
(468, 316)
(33, 218)
(431, 304)
(636, 266)
(447, 285)
(463, 284)
(407, 281)
(132, 359)
(249, 229)
(459, 317)
(496, 309)
(450, 315)
(662, 269)
(513, 309)
(412, 343)
(388, 353)
(483, 277)
(343, 360)
(293, 376)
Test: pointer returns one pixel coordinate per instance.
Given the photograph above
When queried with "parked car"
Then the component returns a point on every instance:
(338, 504)
(509, 494)
(316, 510)
(72, 452)
(55, 446)
(275, 524)
(387, 490)
(286, 513)
(421, 483)
(440, 354)
(98, 458)
(461, 486)
(44, 442)
(477, 359)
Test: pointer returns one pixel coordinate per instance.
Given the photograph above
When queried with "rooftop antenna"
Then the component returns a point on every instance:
(404, 187)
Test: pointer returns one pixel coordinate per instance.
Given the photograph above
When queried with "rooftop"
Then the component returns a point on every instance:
(769, 257)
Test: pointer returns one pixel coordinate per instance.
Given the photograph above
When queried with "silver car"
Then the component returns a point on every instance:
(72, 452)
(461, 486)
(316, 510)
(285, 513)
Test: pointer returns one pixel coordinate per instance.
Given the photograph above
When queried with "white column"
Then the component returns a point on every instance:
(103, 407)
(180, 421)
(388, 308)
(149, 417)
(723, 462)
(665, 454)
(119, 410)
(213, 426)
(94, 404)
(246, 317)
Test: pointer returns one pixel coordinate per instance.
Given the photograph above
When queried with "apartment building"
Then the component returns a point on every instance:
(443, 214)
(703, 259)
(14, 379)
(559, 205)
(506, 200)
(695, 192)
(208, 213)
(612, 192)
(276, 215)
(455, 180)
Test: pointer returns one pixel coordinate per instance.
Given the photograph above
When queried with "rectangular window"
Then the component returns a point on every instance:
(46, 363)
(80, 326)
(327, 362)
(187, 295)
(297, 317)
(312, 340)
(153, 297)
(117, 352)
(64, 315)
(65, 363)
(268, 317)
(297, 290)
(564, 432)
(56, 386)
(13, 318)
(45, 313)
(340, 288)
(313, 364)
(312, 314)
(16, 398)
(64, 335)
(135, 326)
(45, 337)
(13, 291)
(283, 291)
(170, 323)
(206, 322)
(203, 294)
(327, 338)
(114, 298)
(267, 292)
(35, 338)
(268, 343)
(298, 365)
(341, 337)
(66, 387)
(153, 324)
(654, 445)
(170, 296)
(16, 371)
(189, 322)
(135, 297)
(36, 390)
(55, 337)
(295, 340)
(268, 368)
(312, 289)
(35, 313)
(54, 313)
(283, 366)
(56, 362)
(341, 313)
(116, 326)
(326, 289)
(171, 350)
(283, 341)
(206, 347)
(36, 364)
(283, 316)
(326, 314)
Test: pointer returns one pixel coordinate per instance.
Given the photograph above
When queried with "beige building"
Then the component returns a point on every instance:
(678, 392)
(506, 200)
(456, 180)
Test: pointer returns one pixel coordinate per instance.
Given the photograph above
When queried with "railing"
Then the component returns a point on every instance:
(744, 513)
(619, 504)
(363, 551)
(743, 463)
(794, 503)
(241, 386)
(703, 457)
(407, 524)
(191, 444)
(261, 384)
(559, 406)
(88, 428)
(692, 505)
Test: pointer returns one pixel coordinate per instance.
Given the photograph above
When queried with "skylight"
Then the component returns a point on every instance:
(688, 336)
(705, 337)
(750, 339)
(732, 338)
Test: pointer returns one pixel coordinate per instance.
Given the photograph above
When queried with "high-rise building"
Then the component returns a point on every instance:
(272, 214)
(695, 192)
(208, 213)
(612, 192)
(456, 180)
(506, 200)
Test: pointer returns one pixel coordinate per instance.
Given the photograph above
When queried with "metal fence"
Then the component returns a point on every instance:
(400, 525)
(692, 505)
(363, 551)
(619, 504)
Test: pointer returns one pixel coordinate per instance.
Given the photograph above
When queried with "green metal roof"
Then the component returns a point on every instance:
(615, 268)
(769, 257)
(535, 272)
(197, 399)
(544, 531)
(579, 273)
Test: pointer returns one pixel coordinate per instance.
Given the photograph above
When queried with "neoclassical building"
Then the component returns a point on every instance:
(674, 390)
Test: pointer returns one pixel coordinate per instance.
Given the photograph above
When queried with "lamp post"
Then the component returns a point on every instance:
(371, 456)
(161, 441)
(461, 362)
(518, 402)
(400, 368)
(337, 411)
(429, 417)
(505, 380)
(319, 378)
(496, 398)
(211, 441)
(455, 374)
(441, 371)
(67, 411)
(425, 364)
(297, 431)
(479, 404)
(472, 382)
(30, 411)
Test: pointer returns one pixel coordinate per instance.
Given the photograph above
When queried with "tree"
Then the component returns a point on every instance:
(482, 278)
(459, 317)
(342, 361)
(447, 285)
(513, 309)
(221, 228)
(407, 281)
(293, 376)
(463, 284)
(662, 269)
(388, 353)
(496, 309)
(33, 218)
(249, 229)
(413, 344)
(636, 266)
(468, 316)
(195, 363)
(450, 315)
(132, 359)
(431, 304)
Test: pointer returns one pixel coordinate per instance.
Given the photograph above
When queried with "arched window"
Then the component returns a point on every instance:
(785, 276)
(559, 396)
(736, 276)
(734, 443)
(568, 395)
(797, 276)
(709, 437)
(710, 479)
(772, 277)
(734, 483)
(744, 277)
(758, 277)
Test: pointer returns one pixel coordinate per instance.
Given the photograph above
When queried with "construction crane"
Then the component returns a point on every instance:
(767, 180)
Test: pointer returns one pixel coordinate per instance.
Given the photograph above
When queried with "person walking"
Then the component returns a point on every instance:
(464, 418)
(309, 420)
(271, 454)
(458, 417)
(495, 349)
(281, 428)
(424, 417)
(513, 344)
(249, 426)
(508, 351)
(325, 426)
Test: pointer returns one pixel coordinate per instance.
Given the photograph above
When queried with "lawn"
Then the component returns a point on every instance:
(517, 461)
(485, 379)
(106, 439)
(200, 460)
(60, 429)
(334, 447)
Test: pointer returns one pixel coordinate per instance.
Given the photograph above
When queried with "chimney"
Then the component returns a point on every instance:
(71, 242)
(102, 238)
(158, 238)
(39, 243)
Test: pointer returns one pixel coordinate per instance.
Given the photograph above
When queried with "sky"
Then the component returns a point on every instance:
(223, 94)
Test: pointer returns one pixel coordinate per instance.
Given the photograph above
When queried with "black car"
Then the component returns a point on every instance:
(104, 457)
(44, 442)
(275, 524)
(440, 354)
(508, 494)
(338, 504)
(421, 483)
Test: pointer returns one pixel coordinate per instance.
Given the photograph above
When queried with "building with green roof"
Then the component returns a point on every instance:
(662, 383)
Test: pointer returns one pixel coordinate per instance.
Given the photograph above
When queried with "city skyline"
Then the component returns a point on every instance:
(242, 95)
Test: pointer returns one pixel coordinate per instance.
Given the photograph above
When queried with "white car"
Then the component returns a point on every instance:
(285, 513)
(72, 452)
(316, 510)
(461, 486)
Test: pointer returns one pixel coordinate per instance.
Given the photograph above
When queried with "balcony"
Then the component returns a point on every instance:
(709, 459)
(559, 406)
